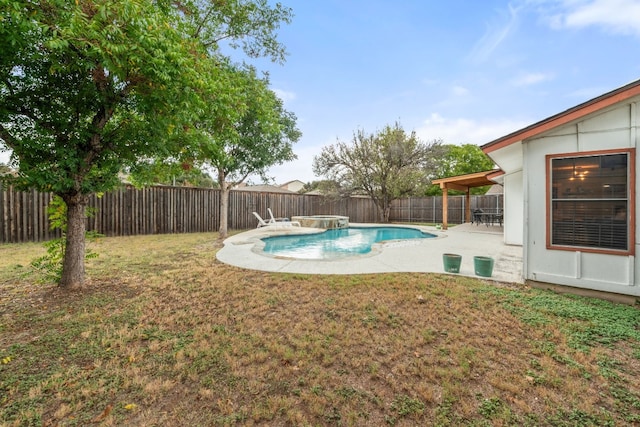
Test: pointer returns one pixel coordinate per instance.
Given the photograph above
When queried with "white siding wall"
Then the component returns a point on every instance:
(615, 128)
(513, 209)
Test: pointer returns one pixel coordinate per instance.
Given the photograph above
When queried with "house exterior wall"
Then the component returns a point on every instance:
(510, 160)
(615, 128)
(294, 186)
(513, 209)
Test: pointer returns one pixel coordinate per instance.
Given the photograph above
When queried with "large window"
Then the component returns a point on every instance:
(591, 203)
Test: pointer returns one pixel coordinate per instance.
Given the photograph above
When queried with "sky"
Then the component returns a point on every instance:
(459, 71)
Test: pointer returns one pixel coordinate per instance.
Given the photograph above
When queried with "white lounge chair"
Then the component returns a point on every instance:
(262, 222)
(285, 222)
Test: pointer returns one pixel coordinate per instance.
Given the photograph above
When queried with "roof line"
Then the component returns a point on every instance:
(465, 176)
(465, 182)
(617, 95)
(495, 174)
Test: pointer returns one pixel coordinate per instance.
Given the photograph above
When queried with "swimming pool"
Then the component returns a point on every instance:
(337, 243)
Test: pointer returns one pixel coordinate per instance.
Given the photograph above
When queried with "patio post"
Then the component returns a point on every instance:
(445, 207)
(461, 183)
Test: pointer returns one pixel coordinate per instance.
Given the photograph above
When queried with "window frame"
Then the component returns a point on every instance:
(631, 201)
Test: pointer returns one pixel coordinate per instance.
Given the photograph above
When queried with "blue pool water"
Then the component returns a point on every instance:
(338, 243)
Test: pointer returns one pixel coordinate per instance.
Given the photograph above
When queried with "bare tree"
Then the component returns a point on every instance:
(385, 166)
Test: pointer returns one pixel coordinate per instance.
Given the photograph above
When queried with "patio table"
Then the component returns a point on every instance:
(487, 218)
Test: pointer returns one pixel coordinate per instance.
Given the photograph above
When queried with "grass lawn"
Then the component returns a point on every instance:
(164, 335)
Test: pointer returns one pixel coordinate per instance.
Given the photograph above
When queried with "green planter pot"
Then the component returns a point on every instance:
(483, 266)
(452, 262)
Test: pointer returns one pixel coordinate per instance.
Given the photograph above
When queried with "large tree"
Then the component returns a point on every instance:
(261, 137)
(385, 166)
(460, 160)
(88, 87)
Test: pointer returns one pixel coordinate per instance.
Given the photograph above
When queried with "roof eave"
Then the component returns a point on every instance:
(603, 101)
(476, 179)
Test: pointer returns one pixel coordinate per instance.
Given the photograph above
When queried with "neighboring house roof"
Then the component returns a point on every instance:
(264, 188)
(495, 189)
(291, 182)
(294, 185)
(8, 172)
(610, 98)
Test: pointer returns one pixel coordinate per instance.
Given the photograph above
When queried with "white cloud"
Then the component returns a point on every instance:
(460, 130)
(494, 36)
(615, 16)
(460, 91)
(298, 169)
(430, 82)
(284, 95)
(528, 79)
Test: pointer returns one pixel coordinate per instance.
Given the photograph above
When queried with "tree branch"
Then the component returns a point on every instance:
(6, 137)
(202, 22)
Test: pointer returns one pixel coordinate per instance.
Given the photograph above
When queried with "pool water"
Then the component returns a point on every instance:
(337, 243)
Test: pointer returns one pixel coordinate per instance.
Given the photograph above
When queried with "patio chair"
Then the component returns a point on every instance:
(262, 222)
(477, 216)
(283, 221)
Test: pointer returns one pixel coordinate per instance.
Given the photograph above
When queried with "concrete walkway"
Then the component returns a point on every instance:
(421, 255)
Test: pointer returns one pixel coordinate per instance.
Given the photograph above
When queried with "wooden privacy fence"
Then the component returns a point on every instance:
(162, 210)
(429, 209)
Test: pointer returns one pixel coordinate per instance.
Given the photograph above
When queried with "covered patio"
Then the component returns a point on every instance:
(463, 183)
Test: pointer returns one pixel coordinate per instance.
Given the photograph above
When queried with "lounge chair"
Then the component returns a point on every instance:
(262, 222)
(283, 221)
(273, 222)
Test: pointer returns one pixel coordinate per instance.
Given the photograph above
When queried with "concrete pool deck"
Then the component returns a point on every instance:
(419, 256)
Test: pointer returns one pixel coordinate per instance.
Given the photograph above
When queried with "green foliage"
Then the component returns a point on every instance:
(407, 406)
(49, 266)
(182, 174)
(490, 407)
(589, 321)
(88, 89)
(256, 134)
(445, 415)
(586, 321)
(460, 160)
(263, 135)
(57, 213)
(323, 186)
(578, 417)
(385, 166)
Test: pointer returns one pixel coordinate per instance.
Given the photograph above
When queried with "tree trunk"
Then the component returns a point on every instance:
(384, 210)
(224, 205)
(73, 264)
(387, 213)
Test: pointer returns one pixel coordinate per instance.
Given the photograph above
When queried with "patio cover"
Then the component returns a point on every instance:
(463, 183)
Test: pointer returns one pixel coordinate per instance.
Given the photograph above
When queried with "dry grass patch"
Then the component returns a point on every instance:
(166, 335)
